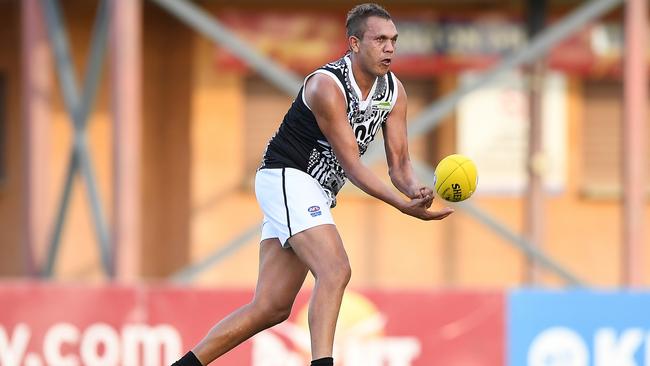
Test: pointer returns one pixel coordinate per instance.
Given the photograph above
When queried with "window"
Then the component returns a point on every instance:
(602, 136)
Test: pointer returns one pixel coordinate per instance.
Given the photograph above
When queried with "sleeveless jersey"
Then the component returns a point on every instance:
(299, 142)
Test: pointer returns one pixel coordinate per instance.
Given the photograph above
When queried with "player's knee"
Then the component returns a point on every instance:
(272, 313)
(277, 315)
(336, 276)
(280, 315)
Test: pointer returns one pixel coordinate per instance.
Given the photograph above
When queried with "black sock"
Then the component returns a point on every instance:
(188, 360)
(326, 361)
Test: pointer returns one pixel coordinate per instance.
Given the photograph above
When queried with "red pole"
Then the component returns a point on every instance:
(36, 93)
(126, 98)
(634, 154)
(535, 198)
(535, 205)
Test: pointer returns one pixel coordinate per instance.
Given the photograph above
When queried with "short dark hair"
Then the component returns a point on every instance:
(356, 20)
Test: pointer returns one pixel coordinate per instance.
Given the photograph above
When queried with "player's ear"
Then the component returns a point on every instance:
(353, 43)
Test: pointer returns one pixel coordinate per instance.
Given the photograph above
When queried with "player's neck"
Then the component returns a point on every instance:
(364, 79)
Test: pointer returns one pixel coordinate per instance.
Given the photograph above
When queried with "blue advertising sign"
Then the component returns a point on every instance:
(578, 328)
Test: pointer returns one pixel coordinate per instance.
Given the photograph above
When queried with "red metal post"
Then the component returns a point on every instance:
(534, 222)
(36, 92)
(634, 135)
(535, 205)
(126, 19)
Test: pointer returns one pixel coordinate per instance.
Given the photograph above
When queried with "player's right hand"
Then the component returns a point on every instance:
(417, 207)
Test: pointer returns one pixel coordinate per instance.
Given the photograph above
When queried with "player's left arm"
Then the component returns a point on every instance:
(400, 168)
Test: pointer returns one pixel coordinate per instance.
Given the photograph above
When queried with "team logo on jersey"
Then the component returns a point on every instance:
(381, 105)
(314, 211)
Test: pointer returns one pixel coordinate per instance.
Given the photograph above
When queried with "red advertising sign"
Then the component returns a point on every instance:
(428, 44)
(43, 324)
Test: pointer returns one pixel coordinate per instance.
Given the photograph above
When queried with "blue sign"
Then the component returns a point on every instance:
(578, 328)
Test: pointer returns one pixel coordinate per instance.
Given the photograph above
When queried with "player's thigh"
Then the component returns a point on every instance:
(321, 249)
(292, 201)
(281, 274)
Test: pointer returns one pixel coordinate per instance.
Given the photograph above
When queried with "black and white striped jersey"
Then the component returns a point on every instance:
(299, 142)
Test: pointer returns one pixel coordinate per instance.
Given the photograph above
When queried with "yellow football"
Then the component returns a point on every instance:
(455, 178)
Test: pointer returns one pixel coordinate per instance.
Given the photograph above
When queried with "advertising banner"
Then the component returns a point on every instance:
(68, 325)
(578, 328)
(429, 43)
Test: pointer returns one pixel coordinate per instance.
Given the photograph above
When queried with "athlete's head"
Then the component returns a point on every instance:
(371, 37)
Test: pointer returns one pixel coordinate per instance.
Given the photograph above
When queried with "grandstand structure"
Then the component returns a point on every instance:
(130, 133)
(131, 130)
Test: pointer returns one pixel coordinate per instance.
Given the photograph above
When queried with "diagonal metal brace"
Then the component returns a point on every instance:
(78, 106)
(531, 251)
(204, 23)
(189, 273)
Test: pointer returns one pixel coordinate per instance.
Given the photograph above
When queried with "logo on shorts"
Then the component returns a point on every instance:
(314, 211)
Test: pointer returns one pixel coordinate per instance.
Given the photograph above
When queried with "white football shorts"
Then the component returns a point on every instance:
(292, 201)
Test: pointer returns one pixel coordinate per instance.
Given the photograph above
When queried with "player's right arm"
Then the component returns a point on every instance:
(327, 103)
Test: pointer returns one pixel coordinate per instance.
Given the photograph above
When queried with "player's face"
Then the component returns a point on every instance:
(377, 47)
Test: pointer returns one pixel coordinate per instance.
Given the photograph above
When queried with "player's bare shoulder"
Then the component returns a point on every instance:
(401, 92)
(322, 91)
(400, 107)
